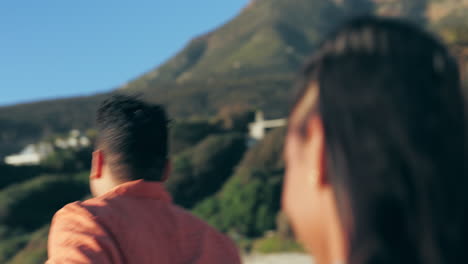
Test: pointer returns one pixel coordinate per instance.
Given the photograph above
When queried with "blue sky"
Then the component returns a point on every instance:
(57, 48)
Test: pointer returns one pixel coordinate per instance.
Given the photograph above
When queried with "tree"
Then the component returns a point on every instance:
(331, 15)
(247, 205)
(353, 8)
(186, 134)
(415, 11)
(35, 251)
(29, 205)
(201, 171)
(249, 202)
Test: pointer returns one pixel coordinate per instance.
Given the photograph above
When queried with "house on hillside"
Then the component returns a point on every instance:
(30, 155)
(33, 154)
(76, 139)
(259, 128)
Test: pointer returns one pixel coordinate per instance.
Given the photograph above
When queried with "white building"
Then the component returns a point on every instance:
(75, 139)
(30, 155)
(258, 129)
(33, 154)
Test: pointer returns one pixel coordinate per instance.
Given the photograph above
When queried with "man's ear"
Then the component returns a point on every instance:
(167, 171)
(316, 140)
(97, 164)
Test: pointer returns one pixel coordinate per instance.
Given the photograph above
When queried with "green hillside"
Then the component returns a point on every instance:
(27, 123)
(268, 37)
(248, 63)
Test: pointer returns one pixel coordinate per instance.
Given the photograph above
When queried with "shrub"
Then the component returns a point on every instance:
(35, 251)
(186, 134)
(15, 174)
(247, 205)
(268, 153)
(235, 118)
(9, 247)
(31, 204)
(69, 160)
(201, 171)
(274, 243)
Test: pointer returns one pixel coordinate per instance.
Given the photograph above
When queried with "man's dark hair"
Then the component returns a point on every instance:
(390, 99)
(134, 137)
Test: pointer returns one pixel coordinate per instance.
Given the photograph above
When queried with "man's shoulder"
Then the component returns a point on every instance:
(115, 208)
(89, 208)
(192, 233)
(105, 206)
(75, 208)
(73, 216)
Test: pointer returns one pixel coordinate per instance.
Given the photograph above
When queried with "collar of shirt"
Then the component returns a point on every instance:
(145, 189)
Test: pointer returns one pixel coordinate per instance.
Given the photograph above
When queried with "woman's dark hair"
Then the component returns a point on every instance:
(390, 99)
(134, 137)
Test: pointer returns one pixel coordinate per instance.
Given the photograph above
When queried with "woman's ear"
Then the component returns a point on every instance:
(167, 171)
(315, 138)
(97, 164)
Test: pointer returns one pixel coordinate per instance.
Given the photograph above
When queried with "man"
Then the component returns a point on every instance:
(131, 219)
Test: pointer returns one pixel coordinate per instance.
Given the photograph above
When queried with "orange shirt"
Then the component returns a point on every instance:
(135, 223)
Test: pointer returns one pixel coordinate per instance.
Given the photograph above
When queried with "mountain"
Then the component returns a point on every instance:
(274, 36)
(248, 63)
(267, 37)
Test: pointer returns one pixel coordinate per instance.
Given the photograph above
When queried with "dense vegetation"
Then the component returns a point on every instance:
(201, 171)
(248, 203)
(27, 206)
(247, 63)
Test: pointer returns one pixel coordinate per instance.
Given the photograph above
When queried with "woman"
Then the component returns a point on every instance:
(376, 149)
